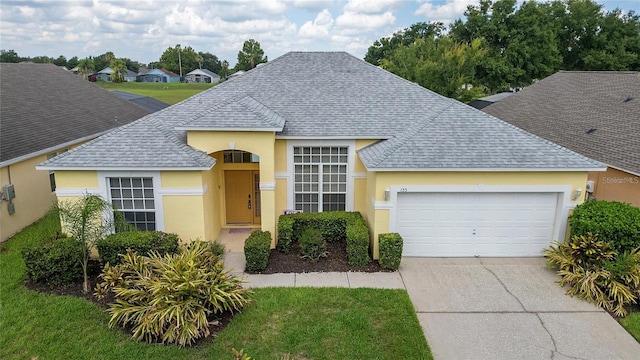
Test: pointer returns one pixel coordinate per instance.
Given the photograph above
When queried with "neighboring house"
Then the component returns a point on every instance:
(158, 75)
(202, 76)
(147, 103)
(105, 75)
(483, 102)
(327, 131)
(44, 111)
(594, 113)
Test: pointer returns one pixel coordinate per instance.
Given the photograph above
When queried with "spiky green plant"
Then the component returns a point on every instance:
(596, 273)
(171, 298)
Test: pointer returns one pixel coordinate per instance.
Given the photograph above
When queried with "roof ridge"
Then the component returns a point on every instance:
(280, 119)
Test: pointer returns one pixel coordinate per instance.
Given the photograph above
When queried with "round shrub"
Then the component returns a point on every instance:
(312, 245)
(615, 222)
(56, 261)
(256, 250)
(390, 248)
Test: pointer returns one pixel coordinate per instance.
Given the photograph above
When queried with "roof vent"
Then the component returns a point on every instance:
(628, 99)
(591, 131)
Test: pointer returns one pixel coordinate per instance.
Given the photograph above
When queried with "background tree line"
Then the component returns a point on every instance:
(178, 59)
(500, 46)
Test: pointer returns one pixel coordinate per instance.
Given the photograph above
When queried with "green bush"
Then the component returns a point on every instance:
(111, 248)
(614, 222)
(334, 225)
(56, 261)
(312, 245)
(256, 250)
(357, 240)
(172, 298)
(390, 247)
(595, 272)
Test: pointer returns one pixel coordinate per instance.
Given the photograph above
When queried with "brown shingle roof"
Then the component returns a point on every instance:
(43, 106)
(594, 113)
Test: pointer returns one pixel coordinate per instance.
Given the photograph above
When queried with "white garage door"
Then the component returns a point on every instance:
(476, 224)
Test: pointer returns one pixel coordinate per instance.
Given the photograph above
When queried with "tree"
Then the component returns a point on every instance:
(9, 56)
(224, 71)
(250, 56)
(383, 48)
(441, 65)
(119, 70)
(60, 61)
(210, 62)
(83, 220)
(85, 67)
(102, 61)
(177, 59)
(73, 62)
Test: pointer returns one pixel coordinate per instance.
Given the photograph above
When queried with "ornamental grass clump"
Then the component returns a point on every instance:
(597, 273)
(172, 298)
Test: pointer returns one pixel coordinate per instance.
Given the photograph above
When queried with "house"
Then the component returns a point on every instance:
(202, 76)
(158, 75)
(105, 75)
(45, 111)
(325, 131)
(594, 113)
(483, 102)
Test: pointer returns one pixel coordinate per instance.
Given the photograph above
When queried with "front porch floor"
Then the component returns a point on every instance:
(233, 238)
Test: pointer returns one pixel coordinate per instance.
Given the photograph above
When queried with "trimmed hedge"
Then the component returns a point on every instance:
(390, 246)
(334, 225)
(312, 245)
(141, 242)
(256, 250)
(56, 261)
(615, 222)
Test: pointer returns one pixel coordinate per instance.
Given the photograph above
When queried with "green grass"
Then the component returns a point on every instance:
(632, 324)
(325, 323)
(169, 93)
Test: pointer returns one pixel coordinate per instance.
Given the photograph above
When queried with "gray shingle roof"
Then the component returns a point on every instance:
(335, 95)
(43, 106)
(566, 106)
(147, 103)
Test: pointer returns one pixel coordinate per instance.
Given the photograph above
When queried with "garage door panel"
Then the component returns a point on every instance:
(476, 224)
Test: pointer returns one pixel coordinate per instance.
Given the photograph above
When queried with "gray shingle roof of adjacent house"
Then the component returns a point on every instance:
(44, 106)
(594, 113)
(330, 95)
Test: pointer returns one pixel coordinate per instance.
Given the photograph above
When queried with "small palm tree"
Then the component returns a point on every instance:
(85, 66)
(84, 220)
(119, 70)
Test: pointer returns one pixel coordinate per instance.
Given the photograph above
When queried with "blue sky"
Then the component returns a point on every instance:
(142, 29)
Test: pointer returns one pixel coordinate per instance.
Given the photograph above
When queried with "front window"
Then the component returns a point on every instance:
(239, 157)
(320, 178)
(133, 196)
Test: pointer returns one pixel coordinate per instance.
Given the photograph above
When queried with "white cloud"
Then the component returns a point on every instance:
(446, 12)
(354, 20)
(318, 28)
(312, 5)
(372, 6)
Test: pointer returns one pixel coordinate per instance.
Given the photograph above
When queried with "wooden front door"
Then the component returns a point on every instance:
(242, 199)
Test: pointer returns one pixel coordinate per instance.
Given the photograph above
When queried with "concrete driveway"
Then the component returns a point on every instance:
(507, 309)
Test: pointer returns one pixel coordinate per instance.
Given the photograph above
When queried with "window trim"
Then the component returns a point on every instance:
(351, 156)
(103, 185)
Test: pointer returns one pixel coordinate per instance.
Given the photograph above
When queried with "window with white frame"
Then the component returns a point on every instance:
(133, 196)
(320, 182)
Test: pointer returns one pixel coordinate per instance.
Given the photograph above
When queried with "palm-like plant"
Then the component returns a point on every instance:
(119, 70)
(84, 220)
(85, 66)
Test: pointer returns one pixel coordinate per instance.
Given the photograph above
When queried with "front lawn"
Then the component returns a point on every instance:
(307, 323)
(170, 93)
(632, 324)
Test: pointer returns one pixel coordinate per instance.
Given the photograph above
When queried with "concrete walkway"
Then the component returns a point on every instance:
(484, 308)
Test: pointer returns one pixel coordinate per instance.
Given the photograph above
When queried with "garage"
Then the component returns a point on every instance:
(476, 224)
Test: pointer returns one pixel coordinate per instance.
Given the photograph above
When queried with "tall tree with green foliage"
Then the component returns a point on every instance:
(9, 56)
(72, 63)
(383, 48)
(441, 65)
(250, 56)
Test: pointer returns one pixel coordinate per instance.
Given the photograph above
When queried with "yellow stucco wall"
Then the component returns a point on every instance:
(280, 155)
(33, 195)
(184, 215)
(212, 224)
(181, 179)
(378, 182)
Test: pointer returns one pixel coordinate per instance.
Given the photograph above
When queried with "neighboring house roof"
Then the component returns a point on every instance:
(163, 72)
(594, 113)
(333, 95)
(106, 70)
(130, 74)
(150, 104)
(142, 70)
(43, 107)
(205, 72)
(483, 102)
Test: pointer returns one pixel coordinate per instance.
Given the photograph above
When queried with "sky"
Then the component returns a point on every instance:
(142, 29)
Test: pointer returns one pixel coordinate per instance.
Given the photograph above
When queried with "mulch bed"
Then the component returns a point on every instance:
(292, 262)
